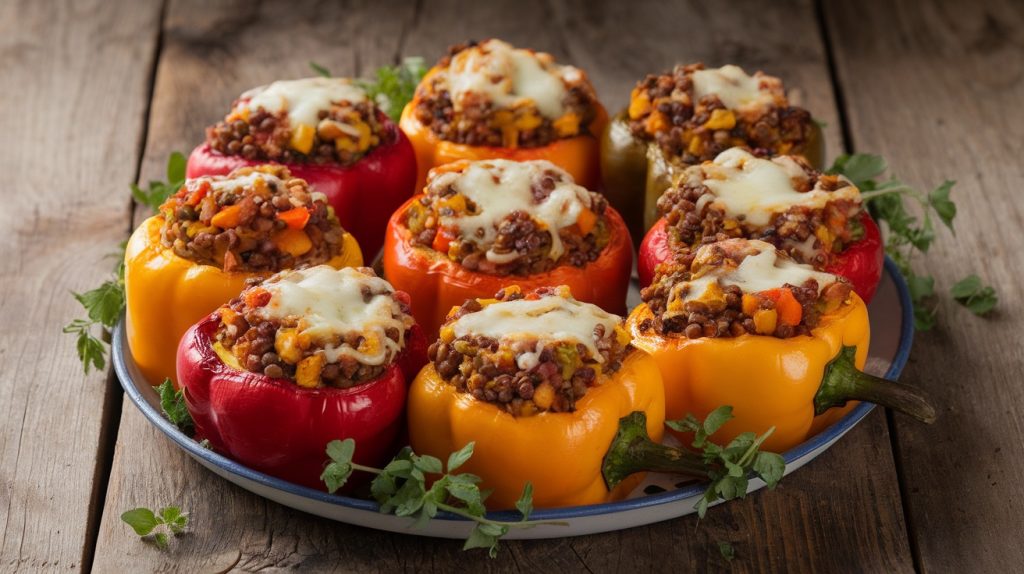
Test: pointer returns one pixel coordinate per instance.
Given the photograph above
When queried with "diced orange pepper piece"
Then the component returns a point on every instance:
(295, 218)
(586, 221)
(227, 217)
(294, 242)
(790, 311)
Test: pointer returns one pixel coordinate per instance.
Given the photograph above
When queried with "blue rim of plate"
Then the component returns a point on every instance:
(844, 424)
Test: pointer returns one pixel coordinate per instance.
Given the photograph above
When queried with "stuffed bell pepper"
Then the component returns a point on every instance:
(490, 100)
(211, 237)
(688, 116)
(329, 133)
(539, 381)
(299, 360)
(740, 323)
(816, 218)
(484, 224)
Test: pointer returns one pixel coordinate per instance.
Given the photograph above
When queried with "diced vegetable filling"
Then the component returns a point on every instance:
(314, 120)
(737, 287)
(783, 201)
(491, 94)
(318, 327)
(529, 353)
(253, 219)
(694, 113)
(509, 218)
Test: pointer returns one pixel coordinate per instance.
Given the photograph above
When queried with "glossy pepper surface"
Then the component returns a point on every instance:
(577, 155)
(363, 194)
(280, 428)
(560, 454)
(436, 283)
(861, 262)
(635, 173)
(772, 382)
(165, 294)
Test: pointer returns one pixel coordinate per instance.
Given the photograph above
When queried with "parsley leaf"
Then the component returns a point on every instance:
(172, 402)
(158, 191)
(156, 527)
(394, 86)
(727, 551)
(401, 489)
(320, 70)
(906, 235)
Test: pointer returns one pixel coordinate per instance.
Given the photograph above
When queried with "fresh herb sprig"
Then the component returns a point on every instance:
(172, 403)
(156, 527)
(401, 489)
(907, 236)
(729, 466)
(104, 304)
(392, 86)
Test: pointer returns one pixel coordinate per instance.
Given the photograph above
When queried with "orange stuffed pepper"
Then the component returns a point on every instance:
(539, 382)
(482, 225)
(490, 100)
(208, 240)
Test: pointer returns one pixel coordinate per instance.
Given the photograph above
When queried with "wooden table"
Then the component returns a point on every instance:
(96, 94)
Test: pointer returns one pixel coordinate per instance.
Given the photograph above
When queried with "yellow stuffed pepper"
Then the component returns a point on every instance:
(540, 382)
(739, 323)
(489, 100)
(211, 237)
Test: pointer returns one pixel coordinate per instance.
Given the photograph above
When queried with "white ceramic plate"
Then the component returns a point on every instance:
(892, 331)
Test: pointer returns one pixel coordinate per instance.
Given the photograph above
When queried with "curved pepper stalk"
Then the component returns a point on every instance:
(861, 262)
(843, 382)
(437, 283)
(363, 195)
(277, 427)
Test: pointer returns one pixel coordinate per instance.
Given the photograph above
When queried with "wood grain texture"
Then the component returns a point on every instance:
(69, 144)
(840, 514)
(936, 87)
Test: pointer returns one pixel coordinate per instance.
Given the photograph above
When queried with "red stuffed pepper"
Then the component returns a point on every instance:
(482, 225)
(490, 100)
(297, 361)
(816, 218)
(328, 132)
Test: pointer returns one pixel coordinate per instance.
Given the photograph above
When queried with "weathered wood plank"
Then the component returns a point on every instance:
(936, 88)
(75, 87)
(841, 513)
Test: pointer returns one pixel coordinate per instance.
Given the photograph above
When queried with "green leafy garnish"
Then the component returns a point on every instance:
(973, 294)
(727, 551)
(158, 191)
(729, 466)
(395, 86)
(401, 489)
(172, 403)
(320, 70)
(104, 304)
(156, 527)
(906, 236)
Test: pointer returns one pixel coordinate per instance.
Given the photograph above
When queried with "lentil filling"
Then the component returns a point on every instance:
(499, 216)
(687, 112)
(810, 231)
(318, 327)
(253, 219)
(547, 365)
(491, 94)
(335, 131)
(737, 287)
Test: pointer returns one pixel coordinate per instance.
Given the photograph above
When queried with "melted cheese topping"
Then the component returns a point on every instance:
(551, 319)
(757, 272)
(499, 187)
(330, 304)
(733, 86)
(302, 99)
(224, 183)
(744, 185)
(508, 76)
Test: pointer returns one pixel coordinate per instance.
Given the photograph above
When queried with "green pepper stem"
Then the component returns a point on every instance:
(632, 451)
(842, 382)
